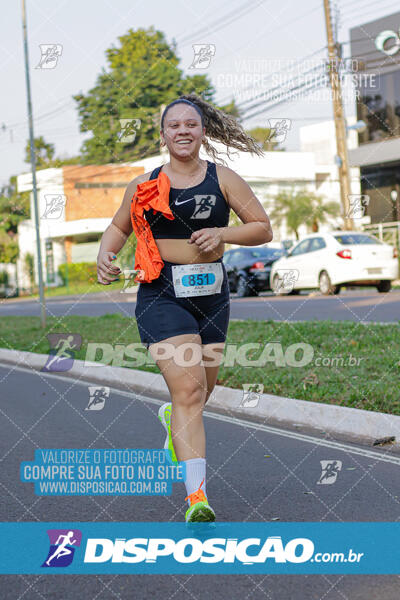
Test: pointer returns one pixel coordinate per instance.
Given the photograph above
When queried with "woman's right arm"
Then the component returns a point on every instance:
(115, 236)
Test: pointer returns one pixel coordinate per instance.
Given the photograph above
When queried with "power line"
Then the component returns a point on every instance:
(279, 87)
(268, 91)
(42, 116)
(295, 20)
(372, 62)
(311, 86)
(221, 22)
(302, 60)
(352, 41)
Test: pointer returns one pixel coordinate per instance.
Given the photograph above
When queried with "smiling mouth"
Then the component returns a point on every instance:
(184, 142)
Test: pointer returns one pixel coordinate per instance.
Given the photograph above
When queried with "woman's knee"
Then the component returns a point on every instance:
(191, 394)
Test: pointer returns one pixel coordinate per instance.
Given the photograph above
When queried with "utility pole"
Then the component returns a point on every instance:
(340, 123)
(33, 165)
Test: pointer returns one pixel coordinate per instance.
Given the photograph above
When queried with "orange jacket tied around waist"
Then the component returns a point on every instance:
(152, 194)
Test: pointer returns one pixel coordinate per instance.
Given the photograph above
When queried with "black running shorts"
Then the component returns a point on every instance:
(161, 315)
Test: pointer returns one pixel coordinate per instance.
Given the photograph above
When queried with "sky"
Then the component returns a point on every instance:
(253, 44)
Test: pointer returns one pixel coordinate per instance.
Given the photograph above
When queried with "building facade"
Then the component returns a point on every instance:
(77, 203)
(375, 52)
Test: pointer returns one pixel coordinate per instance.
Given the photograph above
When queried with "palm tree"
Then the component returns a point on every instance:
(302, 208)
(321, 210)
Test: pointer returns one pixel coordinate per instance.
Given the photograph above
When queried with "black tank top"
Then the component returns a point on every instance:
(194, 208)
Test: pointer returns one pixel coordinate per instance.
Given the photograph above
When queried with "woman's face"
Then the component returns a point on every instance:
(183, 132)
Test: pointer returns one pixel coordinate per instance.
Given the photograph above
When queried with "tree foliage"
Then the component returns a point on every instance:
(142, 75)
(44, 155)
(302, 208)
(14, 207)
(8, 249)
(44, 152)
(264, 137)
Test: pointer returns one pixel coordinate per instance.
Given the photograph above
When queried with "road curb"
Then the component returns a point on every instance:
(353, 423)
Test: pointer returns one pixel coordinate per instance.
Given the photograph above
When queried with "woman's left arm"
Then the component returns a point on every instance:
(256, 228)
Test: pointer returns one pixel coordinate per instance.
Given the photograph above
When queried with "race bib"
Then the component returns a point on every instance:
(197, 280)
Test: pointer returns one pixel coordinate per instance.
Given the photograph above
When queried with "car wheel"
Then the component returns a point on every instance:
(325, 285)
(384, 286)
(277, 288)
(242, 287)
(252, 290)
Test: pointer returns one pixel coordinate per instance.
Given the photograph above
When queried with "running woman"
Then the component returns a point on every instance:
(187, 306)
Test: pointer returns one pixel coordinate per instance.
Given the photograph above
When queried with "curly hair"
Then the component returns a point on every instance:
(221, 127)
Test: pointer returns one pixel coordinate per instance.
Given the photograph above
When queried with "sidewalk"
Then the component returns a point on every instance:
(346, 423)
(89, 297)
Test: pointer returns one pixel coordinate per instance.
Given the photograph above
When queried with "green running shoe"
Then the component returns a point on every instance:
(199, 510)
(164, 414)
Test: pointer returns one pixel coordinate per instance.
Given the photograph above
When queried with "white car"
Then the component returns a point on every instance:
(329, 260)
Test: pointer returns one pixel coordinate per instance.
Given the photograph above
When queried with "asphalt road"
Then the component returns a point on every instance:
(255, 473)
(350, 305)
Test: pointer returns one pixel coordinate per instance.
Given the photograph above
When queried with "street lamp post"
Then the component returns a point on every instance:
(33, 165)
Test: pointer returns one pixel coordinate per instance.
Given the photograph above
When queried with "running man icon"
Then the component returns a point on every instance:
(61, 355)
(204, 204)
(62, 549)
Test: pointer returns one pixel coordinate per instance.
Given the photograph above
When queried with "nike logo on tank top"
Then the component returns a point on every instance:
(194, 208)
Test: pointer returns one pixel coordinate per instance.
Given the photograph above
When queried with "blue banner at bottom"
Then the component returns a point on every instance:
(149, 548)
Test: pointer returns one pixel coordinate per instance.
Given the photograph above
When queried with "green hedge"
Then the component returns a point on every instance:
(3, 278)
(78, 272)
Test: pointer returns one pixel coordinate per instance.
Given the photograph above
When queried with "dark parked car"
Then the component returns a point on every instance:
(248, 269)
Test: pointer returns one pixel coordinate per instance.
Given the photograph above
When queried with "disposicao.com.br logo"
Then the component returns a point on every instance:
(247, 551)
(205, 548)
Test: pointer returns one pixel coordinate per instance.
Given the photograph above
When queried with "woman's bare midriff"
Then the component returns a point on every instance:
(181, 252)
